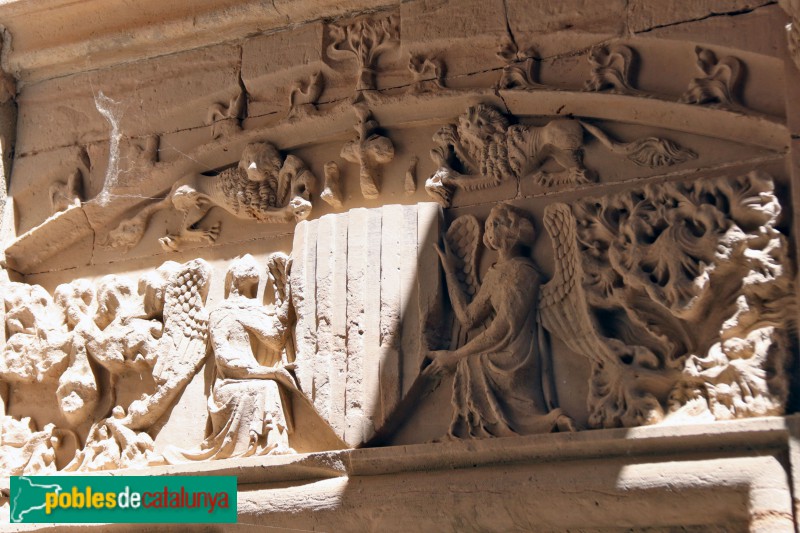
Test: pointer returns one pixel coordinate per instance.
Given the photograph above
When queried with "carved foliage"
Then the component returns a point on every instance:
(304, 95)
(611, 68)
(428, 73)
(720, 83)
(366, 39)
(519, 71)
(691, 284)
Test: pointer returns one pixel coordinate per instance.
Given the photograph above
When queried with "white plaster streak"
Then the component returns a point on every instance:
(356, 299)
(110, 110)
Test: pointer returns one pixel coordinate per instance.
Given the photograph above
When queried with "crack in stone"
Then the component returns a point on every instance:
(709, 16)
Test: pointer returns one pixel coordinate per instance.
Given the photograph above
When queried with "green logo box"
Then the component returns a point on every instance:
(123, 499)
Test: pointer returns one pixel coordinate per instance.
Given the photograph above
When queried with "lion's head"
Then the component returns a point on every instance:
(480, 124)
(260, 161)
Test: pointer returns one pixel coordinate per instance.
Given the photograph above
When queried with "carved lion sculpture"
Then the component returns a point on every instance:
(491, 150)
(262, 187)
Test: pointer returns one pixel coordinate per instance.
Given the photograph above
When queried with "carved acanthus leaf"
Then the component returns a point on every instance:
(428, 73)
(519, 71)
(720, 83)
(611, 68)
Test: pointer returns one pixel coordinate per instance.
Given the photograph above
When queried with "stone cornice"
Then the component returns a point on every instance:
(82, 35)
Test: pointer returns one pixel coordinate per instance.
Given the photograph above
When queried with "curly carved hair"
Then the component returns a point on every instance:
(516, 227)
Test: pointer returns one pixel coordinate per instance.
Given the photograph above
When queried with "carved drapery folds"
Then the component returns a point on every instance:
(690, 289)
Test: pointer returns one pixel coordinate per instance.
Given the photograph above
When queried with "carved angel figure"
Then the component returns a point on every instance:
(263, 187)
(487, 150)
(246, 410)
(158, 343)
(499, 388)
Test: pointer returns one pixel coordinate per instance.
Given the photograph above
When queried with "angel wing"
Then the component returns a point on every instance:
(463, 239)
(279, 267)
(562, 302)
(182, 347)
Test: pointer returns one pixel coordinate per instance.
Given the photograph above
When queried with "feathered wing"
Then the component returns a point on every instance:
(182, 348)
(463, 238)
(562, 303)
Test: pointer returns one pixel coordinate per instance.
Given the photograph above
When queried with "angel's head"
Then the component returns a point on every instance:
(74, 300)
(114, 299)
(242, 278)
(507, 228)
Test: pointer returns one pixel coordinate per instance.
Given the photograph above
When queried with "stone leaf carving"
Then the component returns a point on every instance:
(489, 150)
(611, 68)
(369, 151)
(428, 73)
(681, 296)
(68, 193)
(226, 119)
(247, 413)
(263, 187)
(304, 95)
(519, 71)
(365, 39)
(500, 371)
(720, 83)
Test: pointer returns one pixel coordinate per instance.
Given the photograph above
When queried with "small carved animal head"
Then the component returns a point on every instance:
(260, 161)
(507, 228)
(242, 277)
(481, 123)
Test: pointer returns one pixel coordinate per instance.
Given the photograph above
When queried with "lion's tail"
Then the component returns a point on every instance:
(131, 230)
(647, 152)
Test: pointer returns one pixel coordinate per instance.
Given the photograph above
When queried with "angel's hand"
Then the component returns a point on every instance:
(441, 362)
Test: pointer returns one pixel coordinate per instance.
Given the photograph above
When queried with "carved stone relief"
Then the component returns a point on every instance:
(64, 194)
(89, 342)
(611, 68)
(304, 95)
(369, 151)
(264, 187)
(486, 150)
(428, 72)
(365, 40)
(720, 83)
(501, 371)
(682, 299)
(520, 69)
(250, 342)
